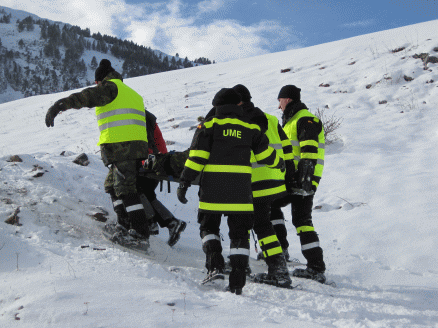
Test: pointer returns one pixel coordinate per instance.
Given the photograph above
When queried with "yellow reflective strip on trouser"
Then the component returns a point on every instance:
(273, 251)
(305, 229)
(226, 207)
(268, 240)
(194, 166)
(199, 153)
(228, 168)
(268, 192)
(308, 143)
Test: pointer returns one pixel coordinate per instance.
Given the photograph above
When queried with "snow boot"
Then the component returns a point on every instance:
(153, 228)
(237, 280)
(176, 227)
(278, 273)
(310, 273)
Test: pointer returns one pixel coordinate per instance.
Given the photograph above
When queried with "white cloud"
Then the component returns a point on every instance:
(362, 23)
(96, 15)
(209, 5)
(163, 26)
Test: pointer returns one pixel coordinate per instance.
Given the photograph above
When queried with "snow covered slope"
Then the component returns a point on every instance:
(376, 216)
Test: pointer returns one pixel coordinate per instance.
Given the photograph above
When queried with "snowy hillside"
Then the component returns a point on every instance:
(376, 209)
(39, 56)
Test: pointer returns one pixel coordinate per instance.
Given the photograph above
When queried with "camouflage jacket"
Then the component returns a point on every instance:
(101, 95)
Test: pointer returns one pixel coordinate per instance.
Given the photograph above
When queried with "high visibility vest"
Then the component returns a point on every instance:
(290, 129)
(124, 119)
(268, 182)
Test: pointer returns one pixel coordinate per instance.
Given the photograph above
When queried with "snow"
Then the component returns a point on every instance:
(377, 220)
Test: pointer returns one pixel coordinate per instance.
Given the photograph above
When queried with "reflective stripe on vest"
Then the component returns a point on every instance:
(261, 172)
(290, 129)
(124, 119)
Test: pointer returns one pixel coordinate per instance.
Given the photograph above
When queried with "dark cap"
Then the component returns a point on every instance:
(290, 91)
(103, 70)
(243, 92)
(226, 96)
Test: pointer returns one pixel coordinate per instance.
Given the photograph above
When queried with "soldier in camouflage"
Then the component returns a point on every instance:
(123, 141)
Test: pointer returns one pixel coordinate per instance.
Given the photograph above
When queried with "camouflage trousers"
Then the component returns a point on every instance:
(122, 177)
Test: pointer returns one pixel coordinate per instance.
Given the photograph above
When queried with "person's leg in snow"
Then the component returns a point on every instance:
(211, 245)
(239, 227)
(310, 246)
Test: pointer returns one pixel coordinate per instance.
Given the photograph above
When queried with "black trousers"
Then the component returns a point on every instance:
(301, 209)
(264, 230)
(239, 226)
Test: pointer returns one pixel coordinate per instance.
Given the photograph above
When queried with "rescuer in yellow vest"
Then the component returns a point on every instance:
(221, 152)
(123, 141)
(306, 133)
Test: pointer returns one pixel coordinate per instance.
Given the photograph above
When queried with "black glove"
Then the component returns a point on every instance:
(57, 107)
(304, 175)
(281, 165)
(181, 191)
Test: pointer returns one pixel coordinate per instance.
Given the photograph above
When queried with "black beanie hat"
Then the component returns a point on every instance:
(103, 70)
(290, 91)
(226, 96)
(243, 92)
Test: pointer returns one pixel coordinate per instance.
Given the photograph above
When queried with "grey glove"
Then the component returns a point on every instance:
(57, 107)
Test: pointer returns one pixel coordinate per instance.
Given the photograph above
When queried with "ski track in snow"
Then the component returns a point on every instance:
(375, 215)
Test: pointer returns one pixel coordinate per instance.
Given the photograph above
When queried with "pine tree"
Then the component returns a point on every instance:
(94, 63)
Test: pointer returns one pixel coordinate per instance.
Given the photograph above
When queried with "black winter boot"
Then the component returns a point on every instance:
(278, 273)
(310, 273)
(237, 280)
(176, 227)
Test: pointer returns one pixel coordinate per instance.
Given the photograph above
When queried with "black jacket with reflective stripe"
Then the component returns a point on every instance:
(221, 150)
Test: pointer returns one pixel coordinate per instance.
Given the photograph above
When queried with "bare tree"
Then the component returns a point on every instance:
(330, 123)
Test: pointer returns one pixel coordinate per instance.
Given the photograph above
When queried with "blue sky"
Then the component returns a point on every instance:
(224, 30)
